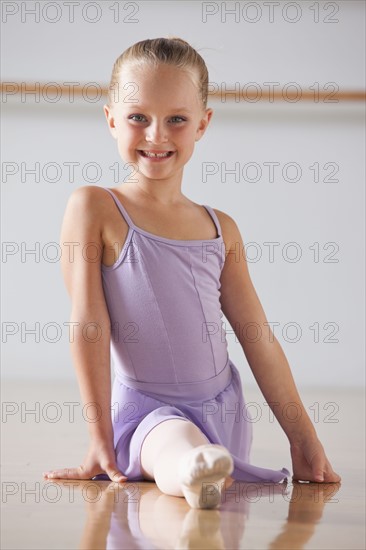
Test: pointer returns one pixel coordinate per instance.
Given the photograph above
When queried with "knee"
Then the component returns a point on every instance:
(195, 434)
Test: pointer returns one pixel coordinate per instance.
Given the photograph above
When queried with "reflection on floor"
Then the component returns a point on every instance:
(43, 428)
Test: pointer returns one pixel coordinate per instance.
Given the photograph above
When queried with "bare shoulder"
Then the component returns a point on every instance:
(87, 197)
(86, 210)
(81, 243)
(230, 230)
(83, 217)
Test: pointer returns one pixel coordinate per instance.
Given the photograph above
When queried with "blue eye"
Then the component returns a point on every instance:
(139, 118)
(132, 117)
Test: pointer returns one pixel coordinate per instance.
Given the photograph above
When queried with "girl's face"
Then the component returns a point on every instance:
(158, 111)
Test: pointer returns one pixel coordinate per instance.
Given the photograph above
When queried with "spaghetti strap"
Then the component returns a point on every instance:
(121, 208)
(215, 218)
(179, 242)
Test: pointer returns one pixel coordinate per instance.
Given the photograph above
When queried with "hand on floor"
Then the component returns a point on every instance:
(100, 458)
(309, 462)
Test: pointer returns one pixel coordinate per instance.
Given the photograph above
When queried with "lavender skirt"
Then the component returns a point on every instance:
(224, 419)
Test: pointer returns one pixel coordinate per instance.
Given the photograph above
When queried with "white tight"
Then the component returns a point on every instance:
(162, 449)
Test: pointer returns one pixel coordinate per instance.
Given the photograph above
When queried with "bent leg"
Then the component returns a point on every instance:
(162, 449)
(161, 457)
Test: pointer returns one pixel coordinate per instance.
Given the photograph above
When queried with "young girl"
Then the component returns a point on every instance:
(167, 271)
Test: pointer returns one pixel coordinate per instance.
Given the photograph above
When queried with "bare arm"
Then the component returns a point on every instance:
(82, 275)
(242, 308)
(82, 247)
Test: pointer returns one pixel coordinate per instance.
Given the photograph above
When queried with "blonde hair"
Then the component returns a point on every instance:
(171, 51)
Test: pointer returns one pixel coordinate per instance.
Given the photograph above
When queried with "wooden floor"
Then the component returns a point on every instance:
(42, 429)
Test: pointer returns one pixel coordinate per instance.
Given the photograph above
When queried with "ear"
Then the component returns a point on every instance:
(204, 122)
(110, 120)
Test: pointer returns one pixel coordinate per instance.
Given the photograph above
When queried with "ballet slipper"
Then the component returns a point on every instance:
(202, 472)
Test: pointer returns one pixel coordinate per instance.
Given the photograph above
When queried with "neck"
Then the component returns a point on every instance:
(165, 192)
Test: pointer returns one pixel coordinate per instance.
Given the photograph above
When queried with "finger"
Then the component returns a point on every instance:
(317, 469)
(331, 476)
(115, 475)
(66, 473)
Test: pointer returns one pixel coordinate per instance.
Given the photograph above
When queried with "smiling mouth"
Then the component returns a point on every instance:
(161, 155)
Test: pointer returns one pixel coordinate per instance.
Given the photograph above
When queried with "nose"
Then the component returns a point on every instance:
(156, 133)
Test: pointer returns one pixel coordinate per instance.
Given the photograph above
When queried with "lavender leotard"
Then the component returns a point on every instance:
(169, 348)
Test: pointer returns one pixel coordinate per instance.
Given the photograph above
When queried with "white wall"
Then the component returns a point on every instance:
(310, 292)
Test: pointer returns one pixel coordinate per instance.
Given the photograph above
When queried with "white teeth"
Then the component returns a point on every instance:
(156, 155)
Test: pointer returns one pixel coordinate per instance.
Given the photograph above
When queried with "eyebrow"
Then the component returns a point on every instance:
(142, 107)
